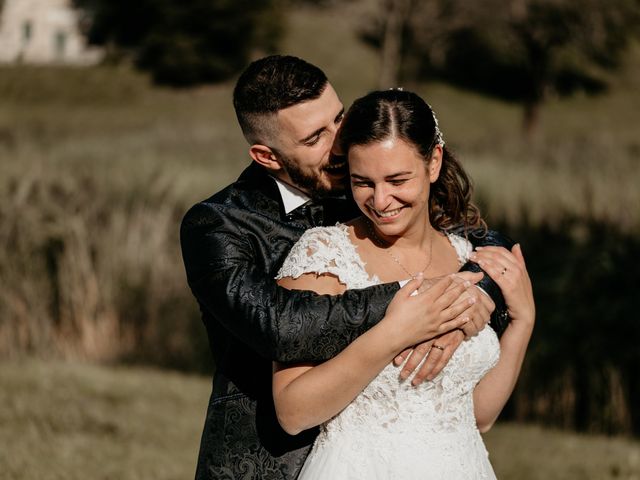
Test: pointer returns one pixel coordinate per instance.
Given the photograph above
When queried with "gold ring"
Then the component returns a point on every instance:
(438, 347)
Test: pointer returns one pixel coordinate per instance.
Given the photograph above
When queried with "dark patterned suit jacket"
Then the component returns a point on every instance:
(233, 245)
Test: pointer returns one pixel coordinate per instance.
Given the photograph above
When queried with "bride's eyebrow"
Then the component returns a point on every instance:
(399, 174)
(388, 177)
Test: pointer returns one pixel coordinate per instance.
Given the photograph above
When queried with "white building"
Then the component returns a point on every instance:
(41, 32)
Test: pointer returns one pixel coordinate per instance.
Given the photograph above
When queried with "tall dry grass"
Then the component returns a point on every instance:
(92, 270)
(94, 184)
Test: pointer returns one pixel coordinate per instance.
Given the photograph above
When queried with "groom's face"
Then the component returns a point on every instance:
(306, 135)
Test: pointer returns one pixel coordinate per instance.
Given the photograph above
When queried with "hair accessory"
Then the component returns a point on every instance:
(439, 139)
(399, 89)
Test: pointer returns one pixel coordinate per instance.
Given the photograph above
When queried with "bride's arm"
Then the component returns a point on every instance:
(307, 395)
(509, 271)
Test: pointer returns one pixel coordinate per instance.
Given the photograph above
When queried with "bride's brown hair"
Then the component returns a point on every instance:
(386, 114)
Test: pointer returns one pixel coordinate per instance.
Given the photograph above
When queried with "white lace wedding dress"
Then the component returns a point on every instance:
(393, 430)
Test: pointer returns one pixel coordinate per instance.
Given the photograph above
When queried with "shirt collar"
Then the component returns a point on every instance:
(292, 198)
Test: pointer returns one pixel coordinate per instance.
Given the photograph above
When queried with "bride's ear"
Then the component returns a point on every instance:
(435, 163)
(264, 156)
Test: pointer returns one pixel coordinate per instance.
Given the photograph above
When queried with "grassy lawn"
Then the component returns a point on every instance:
(65, 421)
(73, 421)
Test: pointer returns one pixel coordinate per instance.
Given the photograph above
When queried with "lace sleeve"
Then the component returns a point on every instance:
(326, 250)
(462, 247)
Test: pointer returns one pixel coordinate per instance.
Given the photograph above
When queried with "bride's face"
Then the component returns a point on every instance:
(391, 182)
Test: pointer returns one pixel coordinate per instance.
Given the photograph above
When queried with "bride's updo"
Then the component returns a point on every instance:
(386, 114)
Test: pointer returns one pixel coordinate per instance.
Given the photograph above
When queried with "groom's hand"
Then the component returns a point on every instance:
(436, 357)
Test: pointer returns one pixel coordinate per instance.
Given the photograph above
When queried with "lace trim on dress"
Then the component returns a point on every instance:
(330, 250)
(462, 247)
(327, 250)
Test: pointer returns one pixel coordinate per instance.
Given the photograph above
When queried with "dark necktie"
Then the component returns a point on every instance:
(310, 213)
(328, 211)
(314, 213)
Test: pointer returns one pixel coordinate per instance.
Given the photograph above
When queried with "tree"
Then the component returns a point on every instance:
(187, 42)
(518, 50)
(391, 48)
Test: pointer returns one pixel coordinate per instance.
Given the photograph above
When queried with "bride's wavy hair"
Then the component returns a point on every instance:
(385, 114)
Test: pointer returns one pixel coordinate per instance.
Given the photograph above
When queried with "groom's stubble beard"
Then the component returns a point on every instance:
(310, 182)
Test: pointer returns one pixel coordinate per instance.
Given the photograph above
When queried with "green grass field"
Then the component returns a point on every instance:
(62, 421)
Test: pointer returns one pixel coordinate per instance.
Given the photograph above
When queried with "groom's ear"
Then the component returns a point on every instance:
(264, 156)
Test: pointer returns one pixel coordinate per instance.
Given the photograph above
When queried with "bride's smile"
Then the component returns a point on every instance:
(390, 181)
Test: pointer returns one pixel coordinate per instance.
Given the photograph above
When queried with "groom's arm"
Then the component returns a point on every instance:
(480, 238)
(284, 325)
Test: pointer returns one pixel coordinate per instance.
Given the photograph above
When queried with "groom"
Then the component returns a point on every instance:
(233, 245)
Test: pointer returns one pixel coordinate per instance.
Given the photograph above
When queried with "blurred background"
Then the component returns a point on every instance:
(116, 116)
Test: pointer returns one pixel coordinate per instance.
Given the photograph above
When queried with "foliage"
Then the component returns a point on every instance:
(583, 280)
(321, 3)
(188, 42)
(521, 50)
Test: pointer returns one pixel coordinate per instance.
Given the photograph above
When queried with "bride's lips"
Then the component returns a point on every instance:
(388, 215)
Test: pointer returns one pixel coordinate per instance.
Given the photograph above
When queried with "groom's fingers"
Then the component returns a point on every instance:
(438, 357)
(402, 357)
(417, 355)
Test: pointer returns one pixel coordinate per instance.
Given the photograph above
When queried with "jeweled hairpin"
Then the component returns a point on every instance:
(439, 139)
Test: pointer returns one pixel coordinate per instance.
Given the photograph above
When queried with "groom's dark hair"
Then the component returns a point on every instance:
(271, 84)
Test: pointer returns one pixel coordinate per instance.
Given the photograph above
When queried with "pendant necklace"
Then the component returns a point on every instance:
(380, 241)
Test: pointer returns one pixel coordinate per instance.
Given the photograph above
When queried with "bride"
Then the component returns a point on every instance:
(412, 193)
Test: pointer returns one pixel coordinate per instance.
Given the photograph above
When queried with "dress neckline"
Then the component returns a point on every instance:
(461, 246)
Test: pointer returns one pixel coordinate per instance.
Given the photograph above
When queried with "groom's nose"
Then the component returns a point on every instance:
(336, 148)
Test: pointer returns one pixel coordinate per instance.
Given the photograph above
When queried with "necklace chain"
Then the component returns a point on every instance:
(396, 259)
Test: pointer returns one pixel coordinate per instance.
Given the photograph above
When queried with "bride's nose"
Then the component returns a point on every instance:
(381, 198)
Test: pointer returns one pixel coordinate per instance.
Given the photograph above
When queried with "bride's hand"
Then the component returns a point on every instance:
(416, 317)
(508, 270)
